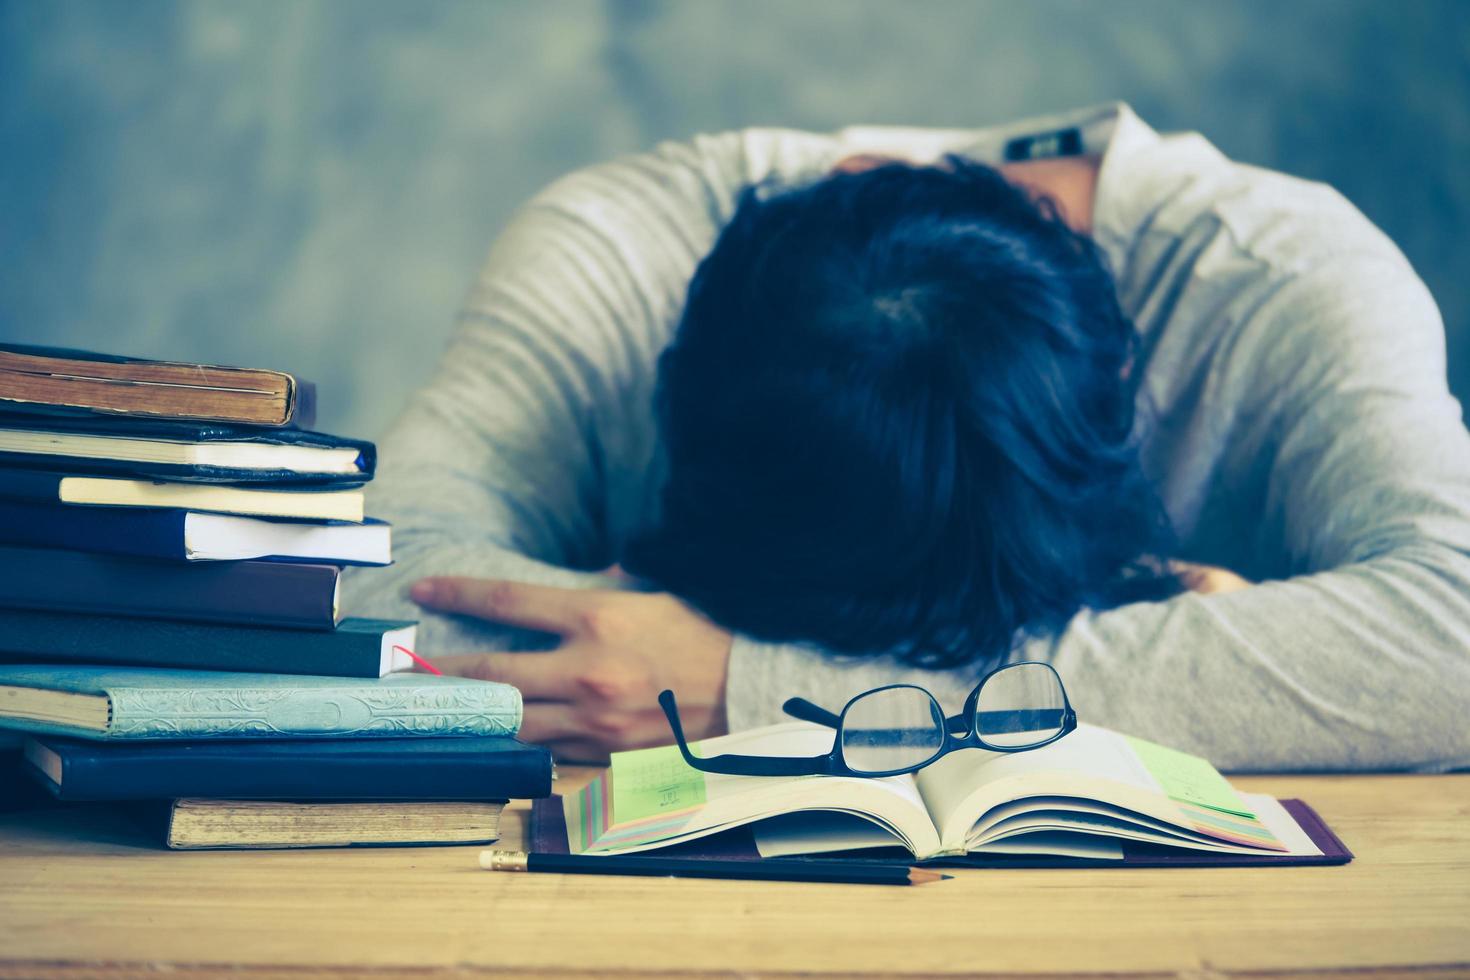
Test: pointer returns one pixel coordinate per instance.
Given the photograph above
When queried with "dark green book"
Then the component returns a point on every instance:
(356, 648)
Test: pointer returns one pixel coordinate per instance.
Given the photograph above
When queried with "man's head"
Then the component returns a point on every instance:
(897, 420)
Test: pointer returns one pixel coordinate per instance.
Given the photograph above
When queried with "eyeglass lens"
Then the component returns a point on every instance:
(1020, 705)
(892, 728)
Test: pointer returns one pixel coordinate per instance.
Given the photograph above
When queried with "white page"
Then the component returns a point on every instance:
(825, 833)
(731, 801)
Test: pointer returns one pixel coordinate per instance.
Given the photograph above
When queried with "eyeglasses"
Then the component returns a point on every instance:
(900, 728)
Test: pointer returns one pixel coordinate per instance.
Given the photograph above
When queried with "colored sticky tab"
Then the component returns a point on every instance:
(1188, 778)
(650, 782)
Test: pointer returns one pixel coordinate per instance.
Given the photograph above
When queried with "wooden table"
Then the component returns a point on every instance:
(84, 893)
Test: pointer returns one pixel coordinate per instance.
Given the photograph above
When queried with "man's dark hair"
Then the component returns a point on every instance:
(899, 419)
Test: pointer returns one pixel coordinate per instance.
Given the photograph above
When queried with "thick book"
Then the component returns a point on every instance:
(52, 380)
(197, 536)
(196, 824)
(356, 648)
(264, 769)
(1087, 797)
(41, 487)
(186, 451)
(143, 703)
(252, 593)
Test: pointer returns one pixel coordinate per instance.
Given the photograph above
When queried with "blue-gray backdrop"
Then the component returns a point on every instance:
(310, 185)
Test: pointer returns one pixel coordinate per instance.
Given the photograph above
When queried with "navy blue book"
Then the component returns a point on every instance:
(321, 769)
(250, 593)
(356, 648)
(147, 532)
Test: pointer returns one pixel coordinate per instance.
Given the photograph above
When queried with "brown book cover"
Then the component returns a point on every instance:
(50, 380)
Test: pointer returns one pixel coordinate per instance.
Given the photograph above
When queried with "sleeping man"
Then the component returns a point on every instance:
(772, 413)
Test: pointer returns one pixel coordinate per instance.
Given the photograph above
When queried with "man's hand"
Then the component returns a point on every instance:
(598, 692)
(1208, 578)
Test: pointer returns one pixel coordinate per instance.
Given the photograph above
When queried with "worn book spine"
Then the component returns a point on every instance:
(353, 649)
(245, 592)
(380, 769)
(63, 381)
(283, 712)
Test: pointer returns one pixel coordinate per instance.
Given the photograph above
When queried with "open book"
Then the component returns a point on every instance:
(1081, 797)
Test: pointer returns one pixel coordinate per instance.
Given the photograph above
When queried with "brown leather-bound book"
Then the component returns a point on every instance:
(68, 382)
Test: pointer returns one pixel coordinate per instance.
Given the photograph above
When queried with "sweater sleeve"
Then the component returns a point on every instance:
(1361, 658)
(530, 453)
(493, 469)
(510, 461)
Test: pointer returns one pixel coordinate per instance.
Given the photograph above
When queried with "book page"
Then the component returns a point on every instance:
(1095, 764)
(651, 798)
(827, 832)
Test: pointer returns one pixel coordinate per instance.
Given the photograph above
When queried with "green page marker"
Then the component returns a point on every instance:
(648, 782)
(1188, 778)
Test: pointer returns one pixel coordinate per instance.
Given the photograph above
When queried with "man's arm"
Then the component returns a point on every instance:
(526, 456)
(525, 462)
(1360, 661)
(493, 469)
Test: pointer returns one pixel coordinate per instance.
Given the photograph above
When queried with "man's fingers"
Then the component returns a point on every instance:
(549, 721)
(540, 676)
(538, 607)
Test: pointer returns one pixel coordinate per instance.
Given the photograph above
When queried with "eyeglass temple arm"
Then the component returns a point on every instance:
(738, 765)
(806, 711)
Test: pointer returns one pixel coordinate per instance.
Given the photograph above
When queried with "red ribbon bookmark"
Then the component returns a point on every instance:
(420, 661)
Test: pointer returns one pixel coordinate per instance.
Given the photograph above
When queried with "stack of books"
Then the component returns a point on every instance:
(172, 538)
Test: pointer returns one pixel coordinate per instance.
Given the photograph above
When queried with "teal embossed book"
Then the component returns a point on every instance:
(159, 703)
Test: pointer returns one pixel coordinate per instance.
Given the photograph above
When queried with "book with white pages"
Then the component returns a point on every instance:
(305, 459)
(185, 535)
(1095, 795)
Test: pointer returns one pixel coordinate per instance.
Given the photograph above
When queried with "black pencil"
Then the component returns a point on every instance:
(668, 867)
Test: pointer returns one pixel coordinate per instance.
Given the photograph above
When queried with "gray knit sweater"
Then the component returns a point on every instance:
(1305, 438)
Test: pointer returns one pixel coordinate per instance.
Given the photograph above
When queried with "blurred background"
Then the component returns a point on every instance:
(311, 185)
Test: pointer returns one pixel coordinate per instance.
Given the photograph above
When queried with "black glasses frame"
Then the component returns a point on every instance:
(961, 731)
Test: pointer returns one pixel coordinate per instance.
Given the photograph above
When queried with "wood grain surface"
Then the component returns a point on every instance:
(87, 891)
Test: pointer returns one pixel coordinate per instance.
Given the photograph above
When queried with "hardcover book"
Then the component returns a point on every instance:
(144, 703)
(250, 593)
(186, 451)
(320, 769)
(53, 380)
(189, 535)
(195, 824)
(356, 648)
(41, 487)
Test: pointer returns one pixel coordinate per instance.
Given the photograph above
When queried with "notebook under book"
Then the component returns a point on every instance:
(1094, 796)
(188, 451)
(41, 487)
